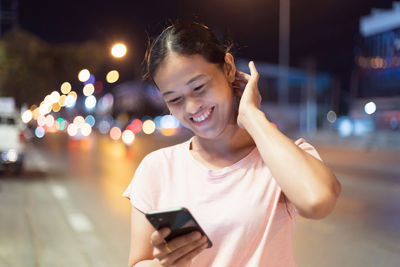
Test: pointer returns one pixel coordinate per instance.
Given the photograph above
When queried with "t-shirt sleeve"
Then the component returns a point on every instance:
(142, 190)
(308, 148)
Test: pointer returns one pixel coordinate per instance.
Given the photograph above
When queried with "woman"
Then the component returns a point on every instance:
(241, 178)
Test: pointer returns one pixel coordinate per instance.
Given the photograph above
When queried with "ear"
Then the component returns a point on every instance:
(229, 67)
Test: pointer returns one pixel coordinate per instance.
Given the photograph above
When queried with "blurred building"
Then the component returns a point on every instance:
(377, 76)
(138, 98)
(311, 95)
(8, 15)
(378, 53)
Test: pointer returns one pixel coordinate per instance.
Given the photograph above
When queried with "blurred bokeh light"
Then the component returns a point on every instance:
(104, 126)
(115, 133)
(54, 97)
(90, 102)
(88, 89)
(90, 120)
(112, 76)
(84, 75)
(118, 50)
(370, 108)
(128, 137)
(66, 88)
(27, 116)
(331, 116)
(72, 129)
(39, 132)
(135, 126)
(149, 127)
(56, 107)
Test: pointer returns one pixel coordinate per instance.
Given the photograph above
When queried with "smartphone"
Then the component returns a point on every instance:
(179, 220)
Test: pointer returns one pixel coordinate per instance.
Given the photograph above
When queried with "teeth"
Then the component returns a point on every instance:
(202, 117)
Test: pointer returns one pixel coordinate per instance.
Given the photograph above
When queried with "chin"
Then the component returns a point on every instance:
(209, 134)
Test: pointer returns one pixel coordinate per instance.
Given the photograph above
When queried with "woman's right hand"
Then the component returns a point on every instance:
(179, 251)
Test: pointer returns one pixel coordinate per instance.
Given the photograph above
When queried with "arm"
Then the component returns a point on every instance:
(305, 180)
(141, 250)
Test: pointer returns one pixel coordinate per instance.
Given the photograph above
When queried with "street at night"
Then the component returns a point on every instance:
(67, 208)
(88, 89)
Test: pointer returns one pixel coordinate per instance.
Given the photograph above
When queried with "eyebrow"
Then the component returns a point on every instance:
(195, 78)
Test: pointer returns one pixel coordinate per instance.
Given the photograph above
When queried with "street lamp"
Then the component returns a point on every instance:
(118, 50)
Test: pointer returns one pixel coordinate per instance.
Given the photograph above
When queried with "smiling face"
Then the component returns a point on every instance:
(198, 93)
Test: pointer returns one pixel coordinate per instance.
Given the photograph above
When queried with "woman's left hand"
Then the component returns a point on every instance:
(247, 86)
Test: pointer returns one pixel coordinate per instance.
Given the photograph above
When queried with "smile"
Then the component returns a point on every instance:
(203, 115)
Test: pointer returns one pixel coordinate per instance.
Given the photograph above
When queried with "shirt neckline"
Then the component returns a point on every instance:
(220, 173)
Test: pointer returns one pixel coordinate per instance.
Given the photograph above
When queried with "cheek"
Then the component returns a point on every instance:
(173, 110)
(222, 90)
(225, 95)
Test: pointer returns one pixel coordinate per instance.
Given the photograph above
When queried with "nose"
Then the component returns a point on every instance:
(192, 105)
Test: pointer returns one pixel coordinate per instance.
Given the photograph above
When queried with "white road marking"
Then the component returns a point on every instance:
(59, 192)
(79, 222)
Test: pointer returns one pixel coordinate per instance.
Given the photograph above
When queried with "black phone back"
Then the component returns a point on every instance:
(179, 220)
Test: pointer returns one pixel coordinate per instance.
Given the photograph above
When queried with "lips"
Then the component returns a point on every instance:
(202, 116)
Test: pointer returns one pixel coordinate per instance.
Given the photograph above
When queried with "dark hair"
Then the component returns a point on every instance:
(185, 38)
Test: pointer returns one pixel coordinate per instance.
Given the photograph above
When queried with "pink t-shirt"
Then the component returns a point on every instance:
(239, 207)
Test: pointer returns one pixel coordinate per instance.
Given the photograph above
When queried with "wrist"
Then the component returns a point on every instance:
(255, 121)
(250, 114)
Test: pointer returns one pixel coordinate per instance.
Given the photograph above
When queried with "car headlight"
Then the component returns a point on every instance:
(10, 155)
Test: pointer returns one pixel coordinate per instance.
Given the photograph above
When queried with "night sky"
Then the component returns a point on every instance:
(326, 31)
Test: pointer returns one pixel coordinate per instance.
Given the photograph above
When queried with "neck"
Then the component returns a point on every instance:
(233, 140)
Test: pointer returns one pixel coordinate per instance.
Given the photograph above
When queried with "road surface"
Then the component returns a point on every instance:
(67, 208)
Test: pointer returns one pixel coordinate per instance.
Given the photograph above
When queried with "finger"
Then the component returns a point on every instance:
(240, 82)
(239, 85)
(159, 253)
(253, 71)
(160, 250)
(158, 237)
(184, 251)
(183, 240)
(189, 256)
(242, 76)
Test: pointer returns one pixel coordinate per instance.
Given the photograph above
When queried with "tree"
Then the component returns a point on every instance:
(31, 68)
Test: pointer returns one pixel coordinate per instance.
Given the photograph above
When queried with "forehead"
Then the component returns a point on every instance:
(177, 70)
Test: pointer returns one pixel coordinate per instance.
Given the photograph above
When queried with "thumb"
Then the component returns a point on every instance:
(253, 72)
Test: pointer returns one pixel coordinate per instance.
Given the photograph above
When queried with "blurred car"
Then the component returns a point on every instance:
(12, 144)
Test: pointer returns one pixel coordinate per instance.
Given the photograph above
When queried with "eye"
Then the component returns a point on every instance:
(175, 100)
(198, 88)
